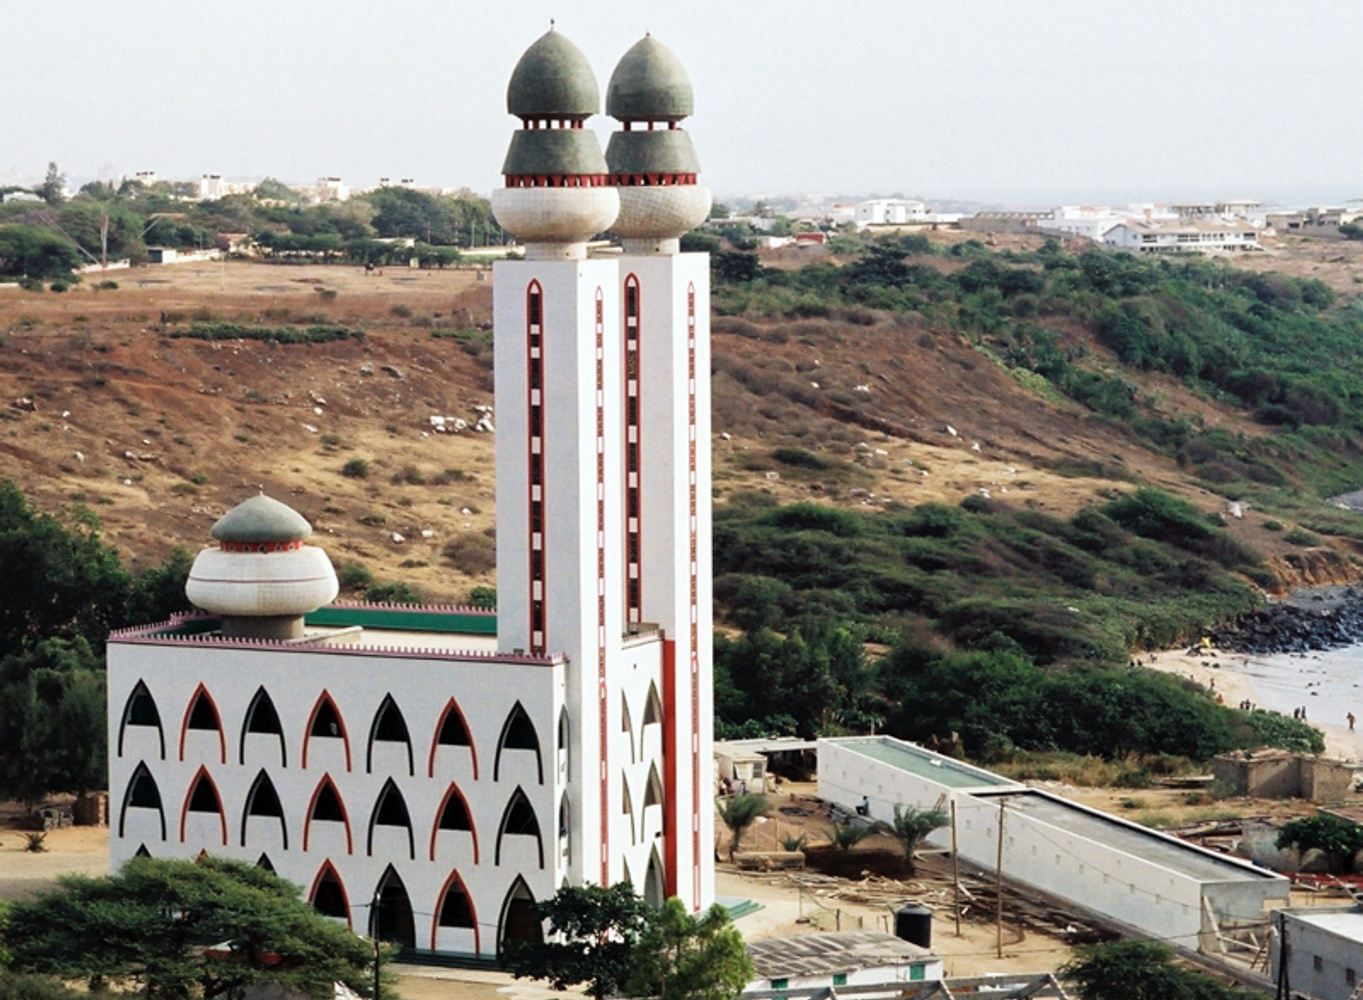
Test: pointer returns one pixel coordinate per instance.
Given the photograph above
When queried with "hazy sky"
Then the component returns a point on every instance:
(1016, 101)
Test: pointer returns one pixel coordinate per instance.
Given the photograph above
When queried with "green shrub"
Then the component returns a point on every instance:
(799, 458)
(356, 468)
(1299, 537)
(318, 333)
(353, 576)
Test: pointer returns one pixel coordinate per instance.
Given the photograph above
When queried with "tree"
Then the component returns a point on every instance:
(30, 252)
(683, 957)
(1141, 970)
(911, 825)
(52, 189)
(594, 939)
(846, 836)
(19, 987)
(740, 812)
(1338, 838)
(180, 928)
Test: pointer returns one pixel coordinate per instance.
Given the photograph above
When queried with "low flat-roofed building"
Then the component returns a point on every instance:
(999, 986)
(839, 958)
(1196, 236)
(1324, 951)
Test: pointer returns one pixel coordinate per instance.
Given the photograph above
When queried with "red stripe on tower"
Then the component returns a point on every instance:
(694, 573)
(603, 705)
(534, 363)
(634, 569)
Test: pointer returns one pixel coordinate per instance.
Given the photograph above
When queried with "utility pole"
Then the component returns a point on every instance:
(374, 930)
(998, 884)
(955, 870)
(104, 240)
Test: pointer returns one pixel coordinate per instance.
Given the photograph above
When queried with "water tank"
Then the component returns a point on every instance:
(913, 923)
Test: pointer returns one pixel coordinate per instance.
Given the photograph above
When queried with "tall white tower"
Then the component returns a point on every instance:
(665, 305)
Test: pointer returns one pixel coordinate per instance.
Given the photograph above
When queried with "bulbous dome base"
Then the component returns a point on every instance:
(262, 584)
(660, 213)
(555, 218)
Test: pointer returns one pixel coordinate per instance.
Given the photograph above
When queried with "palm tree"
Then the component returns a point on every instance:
(738, 813)
(846, 836)
(911, 825)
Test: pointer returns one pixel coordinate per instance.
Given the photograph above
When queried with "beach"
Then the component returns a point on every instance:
(1328, 683)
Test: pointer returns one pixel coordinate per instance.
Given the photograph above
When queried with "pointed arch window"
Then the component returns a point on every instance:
(328, 896)
(140, 710)
(518, 819)
(389, 726)
(518, 733)
(454, 908)
(264, 864)
(263, 800)
(201, 715)
(141, 793)
(653, 714)
(519, 919)
(327, 806)
(627, 725)
(390, 809)
(262, 719)
(454, 815)
(203, 797)
(565, 758)
(565, 828)
(325, 722)
(392, 919)
(627, 808)
(142, 851)
(452, 730)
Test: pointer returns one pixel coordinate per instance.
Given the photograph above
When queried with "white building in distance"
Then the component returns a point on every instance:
(889, 212)
(1192, 236)
(426, 774)
(332, 189)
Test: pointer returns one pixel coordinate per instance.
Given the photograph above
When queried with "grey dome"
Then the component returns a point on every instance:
(554, 151)
(665, 151)
(649, 83)
(553, 79)
(261, 519)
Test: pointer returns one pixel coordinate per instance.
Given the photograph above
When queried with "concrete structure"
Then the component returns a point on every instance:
(1182, 237)
(1312, 221)
(1324, 952)
(750, 761)
(846, 958)
(1001, 986)
(427, 773)
(172, 255)
(1003, 222)
(1120, 872)
(332, 189)
(1232, 210)
(889, 212)
(1282, 774)
(28, 196)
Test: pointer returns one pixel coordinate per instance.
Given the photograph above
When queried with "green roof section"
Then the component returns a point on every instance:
(554, 151)
(663, 151)
(261, 519)
(405, 619)
(553, 79)
(649, 83)
(923, 763)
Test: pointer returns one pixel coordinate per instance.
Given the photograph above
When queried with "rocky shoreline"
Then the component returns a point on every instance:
(1307, 621)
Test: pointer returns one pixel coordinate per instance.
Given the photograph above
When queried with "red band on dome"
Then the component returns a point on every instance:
(557, 180)
(652, 180)
(260, 546)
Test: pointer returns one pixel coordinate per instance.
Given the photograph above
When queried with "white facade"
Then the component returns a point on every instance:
(1324, 951)
(889, 212)
(1185, 237)
(1120, 871)
(332, 189)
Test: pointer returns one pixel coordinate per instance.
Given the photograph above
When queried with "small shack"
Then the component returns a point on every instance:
(745, 764)
(843, 958)
(1267, 773)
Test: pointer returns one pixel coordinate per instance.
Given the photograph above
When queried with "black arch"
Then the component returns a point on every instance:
(518, 733)
(627, 725)
(518, 920)
(142, 851)
(140, 710)
(518, 818)
(390, 809)
(390, 726)
(141, 793)
(392, 916)
(262, 717)
(564, 730)
(455, 815)
(565, 825)
(264, 864)
(329, 896)
(627, 808)
(653, 714)
(263, 800)
(654, 886)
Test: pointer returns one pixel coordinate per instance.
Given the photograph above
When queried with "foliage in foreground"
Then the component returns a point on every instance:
(611, 942)
(738, 812)
(1141, 970)
(1338, 838)
(178, 929)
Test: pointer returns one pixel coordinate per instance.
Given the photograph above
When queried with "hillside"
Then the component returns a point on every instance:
(865, 407)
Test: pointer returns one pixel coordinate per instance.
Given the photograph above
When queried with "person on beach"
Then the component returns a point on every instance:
(1351, 719)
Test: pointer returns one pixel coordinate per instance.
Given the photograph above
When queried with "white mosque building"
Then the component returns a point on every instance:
(426, 773)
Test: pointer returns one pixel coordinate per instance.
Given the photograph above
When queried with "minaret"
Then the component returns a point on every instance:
(665, 523)
(558, 386)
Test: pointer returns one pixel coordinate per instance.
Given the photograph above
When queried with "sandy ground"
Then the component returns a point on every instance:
(79, 849)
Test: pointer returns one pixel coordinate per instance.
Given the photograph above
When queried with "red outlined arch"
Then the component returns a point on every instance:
(312, 805)
(537, 525)
(329, 868)
(326, 698)
(202, 692)
(451, 706)
(455, 879)
(454, 789)
(202, 775)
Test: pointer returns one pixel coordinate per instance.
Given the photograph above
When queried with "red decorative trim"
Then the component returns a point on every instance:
(440, 905)
(634, 514)
(694, 573)
(260, 546)
(202, 692)
(202, 775)
(557, 180)
(671, 766)
(544, 123)
(440, 811)
(537, 550)
(600, 360)
(652, 180)
(340, 883)
(435, 738)
(340, 721)
(345, 814)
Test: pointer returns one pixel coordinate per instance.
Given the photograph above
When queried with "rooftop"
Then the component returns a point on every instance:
(924, 763)
(1345, 922)
(813, 954)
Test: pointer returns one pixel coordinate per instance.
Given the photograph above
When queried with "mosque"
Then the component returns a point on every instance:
(426, 773)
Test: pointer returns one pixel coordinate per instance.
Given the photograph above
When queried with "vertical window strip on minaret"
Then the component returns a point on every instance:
(604, 734)
(634, 577)
(534, 341)
(693, 572)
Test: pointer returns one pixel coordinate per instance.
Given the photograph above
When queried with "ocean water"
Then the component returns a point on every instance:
(1328, 683)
